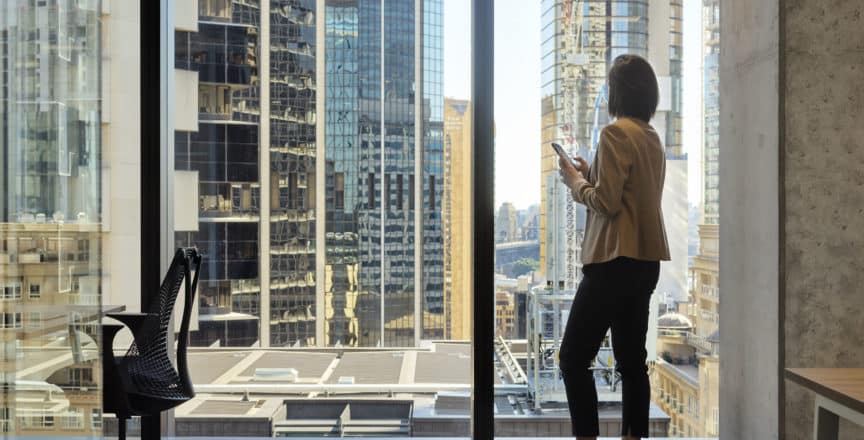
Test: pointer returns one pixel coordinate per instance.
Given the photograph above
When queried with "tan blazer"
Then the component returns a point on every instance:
(623, 194)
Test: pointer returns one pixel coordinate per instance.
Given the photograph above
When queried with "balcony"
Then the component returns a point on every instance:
(702, 344)
(234, 201)
(214, 102)
(709, 316)
(711, 292)
(221, 54)
(215, 10)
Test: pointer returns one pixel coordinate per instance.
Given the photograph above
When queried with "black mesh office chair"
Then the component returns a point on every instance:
(144, 382)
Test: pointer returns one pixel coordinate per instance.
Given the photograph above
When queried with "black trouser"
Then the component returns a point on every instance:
(615, 294)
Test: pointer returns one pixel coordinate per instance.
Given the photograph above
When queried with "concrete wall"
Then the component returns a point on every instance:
(824, 195)
(749, 188)
(792, 196)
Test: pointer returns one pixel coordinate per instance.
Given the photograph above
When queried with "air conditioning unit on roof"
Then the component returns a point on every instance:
(289, 375)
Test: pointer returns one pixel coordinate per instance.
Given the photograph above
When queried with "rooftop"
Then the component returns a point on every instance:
(264, 392)
(688, 372)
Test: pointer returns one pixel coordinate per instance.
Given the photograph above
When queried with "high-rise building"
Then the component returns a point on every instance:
(383, 266)
(217, 146)
(312, 228)
(581, 40)
(507, 224)
(705, 270)
(711, 103)
(457, 212)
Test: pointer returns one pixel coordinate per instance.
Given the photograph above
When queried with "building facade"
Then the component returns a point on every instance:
(711, 103)
(319, 213)
(507, 224)
(457, 213)
(580, 40)
(217, 140)
(704, 282)
(677, 394)
(384, 262)
(685, 379)
(505, 315)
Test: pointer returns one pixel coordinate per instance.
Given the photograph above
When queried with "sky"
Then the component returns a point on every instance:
(517, 91)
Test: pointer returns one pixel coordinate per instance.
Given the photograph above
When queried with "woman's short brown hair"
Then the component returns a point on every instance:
(633, 90)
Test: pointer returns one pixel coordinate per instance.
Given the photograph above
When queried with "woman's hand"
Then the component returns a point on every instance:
(582, 165)
(569, 174)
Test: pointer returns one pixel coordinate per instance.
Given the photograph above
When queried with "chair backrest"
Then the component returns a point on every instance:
(193, 263)
(149, 351)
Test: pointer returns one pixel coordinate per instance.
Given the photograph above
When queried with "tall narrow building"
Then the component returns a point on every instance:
(705, 271)
(711, 115)
(581, 40)
(457, 212)
(383, 266)
(316, 146)
(217, 148)
(289, 223)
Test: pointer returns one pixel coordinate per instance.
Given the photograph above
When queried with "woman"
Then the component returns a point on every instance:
(624, 242)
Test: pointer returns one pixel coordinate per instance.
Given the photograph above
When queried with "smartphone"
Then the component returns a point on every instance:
(560, 150)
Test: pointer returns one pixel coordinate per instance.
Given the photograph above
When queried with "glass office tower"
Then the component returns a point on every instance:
(711, 97)
(384, 173)
(292, 168)
(312, 229)
(433, 298)
(221, 145)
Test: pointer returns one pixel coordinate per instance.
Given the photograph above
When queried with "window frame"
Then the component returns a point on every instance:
(483, 242)
(156, 154)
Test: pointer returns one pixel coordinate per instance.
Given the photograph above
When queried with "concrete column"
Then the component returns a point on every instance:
(749, 219)
(264, 205)
(320, 172)
(419, 177)
(792, 199)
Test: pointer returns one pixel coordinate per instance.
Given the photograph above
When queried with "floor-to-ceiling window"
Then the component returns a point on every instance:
(331, 194)
(551, 66)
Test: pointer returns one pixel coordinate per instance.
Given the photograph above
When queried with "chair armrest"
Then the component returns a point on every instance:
(133, 320)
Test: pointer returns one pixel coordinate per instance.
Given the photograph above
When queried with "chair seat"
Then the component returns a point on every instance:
(147, 381)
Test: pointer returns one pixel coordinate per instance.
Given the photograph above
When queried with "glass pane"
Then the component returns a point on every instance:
(551, 80)
(54, 217)
(313, 134)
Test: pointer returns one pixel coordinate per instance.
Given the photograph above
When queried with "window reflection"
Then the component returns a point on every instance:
(51, 216)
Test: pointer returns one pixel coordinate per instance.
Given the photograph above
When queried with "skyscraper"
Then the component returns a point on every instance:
(217, 145)
(290, 288)
(581, 40)
(314, 232)
(458, 214)
(384, 173)
(711, 103)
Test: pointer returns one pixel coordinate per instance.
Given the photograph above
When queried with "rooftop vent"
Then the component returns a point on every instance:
(289, 375)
